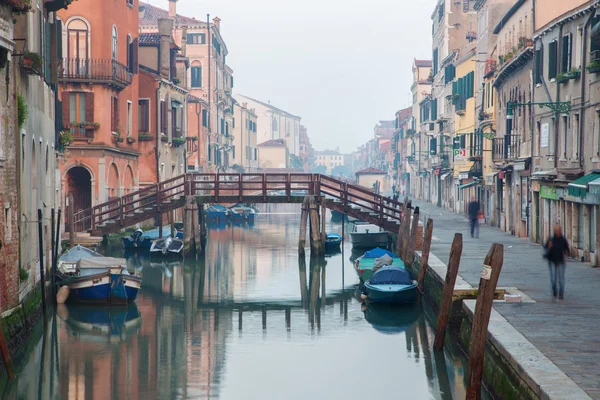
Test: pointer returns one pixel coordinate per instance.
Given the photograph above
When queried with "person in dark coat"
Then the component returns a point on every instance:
(473, 212)
(557, 248)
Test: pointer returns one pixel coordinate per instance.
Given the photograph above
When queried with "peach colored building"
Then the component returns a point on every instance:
(273, 154)
(209, 79)
(98, 78)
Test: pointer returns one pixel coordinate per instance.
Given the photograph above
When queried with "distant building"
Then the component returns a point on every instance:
(307, 153)
(329, 159)
(372, 178)
(275, 124)
(244, 151)
(273, 154)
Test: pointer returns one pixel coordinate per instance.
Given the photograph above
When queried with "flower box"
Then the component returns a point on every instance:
(593, 68)
(145, 137)
(130, 139)
(164, 139)
(178, 141)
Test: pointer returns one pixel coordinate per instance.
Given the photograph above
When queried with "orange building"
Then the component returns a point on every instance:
(98, 79)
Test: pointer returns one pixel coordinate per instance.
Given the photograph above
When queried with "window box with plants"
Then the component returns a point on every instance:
(117, 137)
(130, 139)
(164, 138)
(566, 76)
(145, 137)
(65, 138)
(594, 67)
(32, 63)
(178, 141)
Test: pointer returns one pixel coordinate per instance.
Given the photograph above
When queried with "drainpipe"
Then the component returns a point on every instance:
(582, 81)
(198, 112)
(157, 152)
(556, 116)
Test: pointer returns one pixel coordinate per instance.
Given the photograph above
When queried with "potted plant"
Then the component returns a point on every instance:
(145, 136)
(32, 61)
(130, 139)
(594, 66)
(65, 138)
(164, 138)
(178, 141)
(91, 125)
(117, 137)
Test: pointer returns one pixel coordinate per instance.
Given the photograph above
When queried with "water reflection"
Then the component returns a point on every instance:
(250, 320)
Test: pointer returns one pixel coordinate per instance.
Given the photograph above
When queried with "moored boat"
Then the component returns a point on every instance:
(140, 240)
(374, 259)
(217, 212)
(391, 285)
(243, 214)
(333, 241)
(167, 246)
(95, 279)
(366, 235)
(337, 216)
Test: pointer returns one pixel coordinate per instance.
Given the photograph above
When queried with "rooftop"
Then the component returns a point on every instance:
(423, 63)
(371, 170)
(272, 143)
(270, 106)
(149, 16)
(328, 153)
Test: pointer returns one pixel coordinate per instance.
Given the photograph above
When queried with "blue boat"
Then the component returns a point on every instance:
(391, 285)
(95, 279)
(217, 212)
(243, 214)
(333, 241)
(140, 240)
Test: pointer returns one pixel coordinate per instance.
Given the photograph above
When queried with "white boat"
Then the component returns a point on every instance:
(365, 235)
(167, 246)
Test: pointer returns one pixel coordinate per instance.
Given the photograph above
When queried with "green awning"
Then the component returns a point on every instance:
(594, 186)
(466, 185)
(579, 187)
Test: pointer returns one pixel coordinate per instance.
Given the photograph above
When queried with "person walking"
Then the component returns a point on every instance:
(557, 249)
(473, 212)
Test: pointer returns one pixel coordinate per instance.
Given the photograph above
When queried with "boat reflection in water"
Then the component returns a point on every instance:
(391, 319)
(100, 324)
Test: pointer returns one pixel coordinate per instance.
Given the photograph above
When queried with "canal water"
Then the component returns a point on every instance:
(248, 321)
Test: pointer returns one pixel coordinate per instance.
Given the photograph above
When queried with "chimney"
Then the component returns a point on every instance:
(172, 8)
(165, 30)
(244, 105)
(184, 41)
(142, 11)
(217, 22)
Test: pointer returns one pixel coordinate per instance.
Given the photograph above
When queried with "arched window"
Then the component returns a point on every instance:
(77, 40)
(196, 74)
(114, 42)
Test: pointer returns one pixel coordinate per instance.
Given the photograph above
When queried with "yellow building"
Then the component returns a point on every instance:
(273, 154)
(465, 140)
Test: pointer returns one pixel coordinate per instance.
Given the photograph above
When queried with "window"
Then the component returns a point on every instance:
(565, 120)
(255, 154)
(164, 127)
(130, 3)
(129, 119)
(435, 62)
(196, 38)
(567, 46)
(7, 224)
(77, 40)
(114, 43)
(144, 115)
(81, 109)
(575, 136)
(205, 118)
(233, 152)
(274, 124)
(552, 59)
(176, 115)
(196, 76)
(114, 120)
(132, 54)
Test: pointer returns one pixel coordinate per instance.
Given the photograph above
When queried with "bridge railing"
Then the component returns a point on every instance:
(349, 194)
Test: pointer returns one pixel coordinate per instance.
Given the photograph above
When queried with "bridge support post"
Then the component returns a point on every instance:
(202, 223)
(406, 234)
(190, 226)
(303, 223)
(316, 246)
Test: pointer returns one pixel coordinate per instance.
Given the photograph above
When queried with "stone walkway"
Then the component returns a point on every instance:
(567, 332)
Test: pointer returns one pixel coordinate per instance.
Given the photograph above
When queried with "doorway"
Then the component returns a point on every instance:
(79, 189)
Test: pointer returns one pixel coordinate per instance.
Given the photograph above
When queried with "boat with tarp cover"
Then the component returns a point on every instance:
(374, 259)
(391, 284)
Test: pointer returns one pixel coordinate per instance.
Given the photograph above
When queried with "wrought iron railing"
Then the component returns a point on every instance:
(506, 148)
(94, 70)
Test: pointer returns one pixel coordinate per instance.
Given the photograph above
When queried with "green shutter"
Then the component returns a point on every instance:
(552, 59)
(433, 146)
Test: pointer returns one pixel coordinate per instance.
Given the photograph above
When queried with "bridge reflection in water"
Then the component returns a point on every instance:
(248, 321)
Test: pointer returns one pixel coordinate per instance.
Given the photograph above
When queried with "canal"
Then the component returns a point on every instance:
(241, 323)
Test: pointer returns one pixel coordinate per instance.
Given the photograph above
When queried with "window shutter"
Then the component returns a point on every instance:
(116, 113)
(189, 38)
(538, 65)
(89, 107)
(204, 118)
(135, 64)
(433, 146)
(65, 109)
(463, 141)
(552, 59)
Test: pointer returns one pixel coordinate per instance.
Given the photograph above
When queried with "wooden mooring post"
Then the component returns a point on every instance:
(323, 223)
(448, 292)
(481, 318)
(412, 239)
(425, 253)
(405, 205)
(42, 266)
(303, 223)
(55, 255)
(70, 202)
(405, 233)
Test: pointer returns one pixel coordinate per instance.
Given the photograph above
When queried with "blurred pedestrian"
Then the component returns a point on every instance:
(557, 249)
(473, 212)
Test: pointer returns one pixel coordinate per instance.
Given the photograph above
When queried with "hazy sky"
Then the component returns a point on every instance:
(340, 65)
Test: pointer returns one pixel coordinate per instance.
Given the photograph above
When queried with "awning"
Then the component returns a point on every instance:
(466, 185)
(594, 186)
(578, 188)
(445, 175)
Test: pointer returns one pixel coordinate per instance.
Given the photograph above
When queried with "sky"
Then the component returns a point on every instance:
(340, 65)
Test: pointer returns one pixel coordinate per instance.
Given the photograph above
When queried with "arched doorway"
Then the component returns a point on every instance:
(79, 190)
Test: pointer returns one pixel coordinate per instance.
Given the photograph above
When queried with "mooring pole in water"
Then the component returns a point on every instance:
(315, 235)
(41, 255)
(55, 258)
(405, 207)
(303, 223)
(481, 318)
(71, 203)
(323, 223)
(425, 253)
(412, 240)
(448, 291)
(303, 280)
(405, 234)
(52, 253)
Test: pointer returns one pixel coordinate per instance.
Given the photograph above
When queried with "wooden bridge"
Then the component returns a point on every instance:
(149, 202)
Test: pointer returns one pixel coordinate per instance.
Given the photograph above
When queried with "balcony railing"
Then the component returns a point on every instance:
(78, 70)
(506, 148)
(490, 68)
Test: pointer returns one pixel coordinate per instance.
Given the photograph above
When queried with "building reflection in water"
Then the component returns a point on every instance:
(176, 341)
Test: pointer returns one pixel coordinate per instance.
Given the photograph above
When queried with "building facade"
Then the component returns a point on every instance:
(273, 154)
(420, 89)
(244, 152)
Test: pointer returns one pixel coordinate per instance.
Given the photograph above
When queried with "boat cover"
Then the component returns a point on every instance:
(333, 236)
(377, 252)
(98, 265)
(383, 261)
(391, 276)
(77, 253)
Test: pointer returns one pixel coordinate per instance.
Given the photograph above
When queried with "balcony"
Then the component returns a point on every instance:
(506, 148)
(108, 72)
(490, 68)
